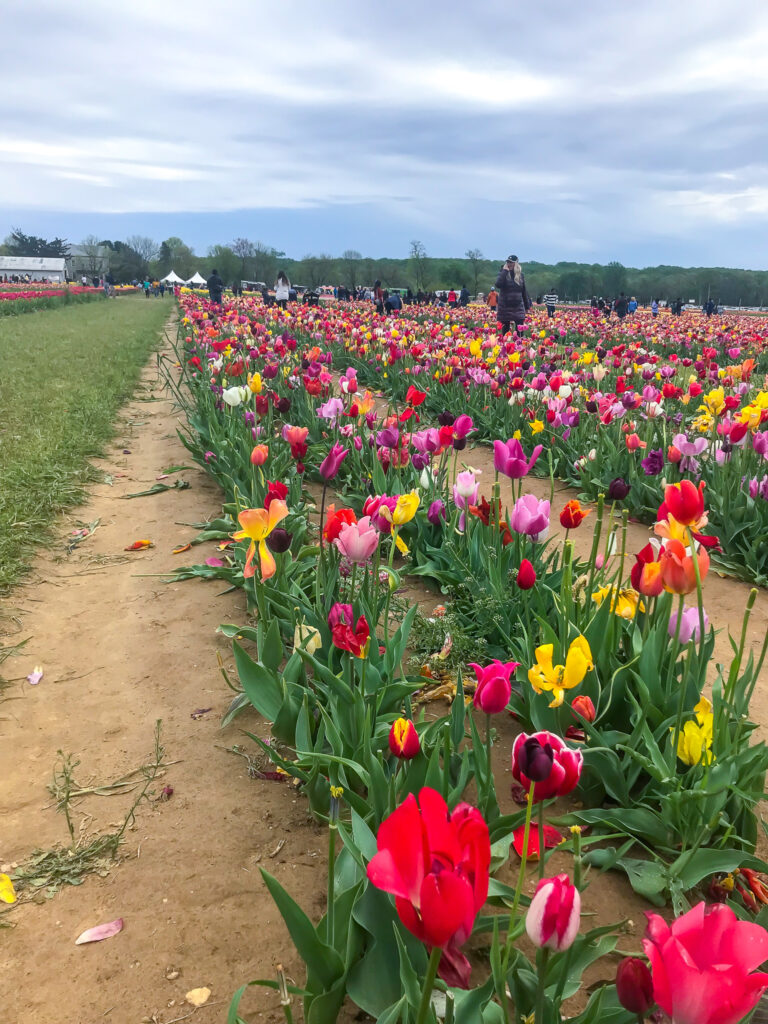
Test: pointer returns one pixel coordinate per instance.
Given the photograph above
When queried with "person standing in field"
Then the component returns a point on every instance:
(550, 301)
(621, 305)
(282, 289)
(655, 308)
(514, 301)
(215, 287)
(492, 300)
(147, 287)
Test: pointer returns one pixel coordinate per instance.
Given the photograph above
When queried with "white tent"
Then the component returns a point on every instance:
(197, 279)
(173, 278)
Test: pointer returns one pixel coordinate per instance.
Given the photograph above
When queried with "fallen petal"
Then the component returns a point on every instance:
(101, 931)
(163, 476)
(35, 675)
(181, 547)
(552, 838)
(214, 562)
(7, 892)
(139, 545)
(199, 712)
(198, 996)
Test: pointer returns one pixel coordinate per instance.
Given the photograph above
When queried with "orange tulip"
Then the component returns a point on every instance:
(573, 515)
(677, 570)
(259, 455)
(257, 524)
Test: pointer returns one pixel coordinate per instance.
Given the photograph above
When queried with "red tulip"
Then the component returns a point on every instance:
(634, 985)
(552, 921)
(566, 766)
(276, 490)
(685, 502)
(414, 397)
(336, 519)
(403, 739)
(703, 965)
(436, 865)
(356, 642)
(526, 575)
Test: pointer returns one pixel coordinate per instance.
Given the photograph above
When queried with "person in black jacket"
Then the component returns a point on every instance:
(514, 301)
(215, 287)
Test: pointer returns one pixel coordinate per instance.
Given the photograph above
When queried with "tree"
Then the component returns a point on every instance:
(125, 263)
(265, 259)
(352, 260)
(418, 257)
(145, 247)
(31, 245)
(475, 257)
(175, 255)
(226, 262)
(614, 278)
(245, 250)
(93, 260)
(316, 269)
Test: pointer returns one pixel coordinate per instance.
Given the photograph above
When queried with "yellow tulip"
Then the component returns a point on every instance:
(544, 676)
(536, 426)
(624, 602)
(405, 509)
(257, 524)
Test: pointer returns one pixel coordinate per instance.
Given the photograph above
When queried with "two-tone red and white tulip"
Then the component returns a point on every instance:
(552, 921)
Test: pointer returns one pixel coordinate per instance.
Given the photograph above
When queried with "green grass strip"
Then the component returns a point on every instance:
(64, 374)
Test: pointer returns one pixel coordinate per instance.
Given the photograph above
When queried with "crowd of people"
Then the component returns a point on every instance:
(508, 300)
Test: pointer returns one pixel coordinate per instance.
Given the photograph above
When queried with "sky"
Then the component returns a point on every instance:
(552, 130)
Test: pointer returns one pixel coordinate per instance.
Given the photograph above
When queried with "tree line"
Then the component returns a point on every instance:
(139, 256)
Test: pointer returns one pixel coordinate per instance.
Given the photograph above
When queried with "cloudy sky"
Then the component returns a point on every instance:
(560, 131)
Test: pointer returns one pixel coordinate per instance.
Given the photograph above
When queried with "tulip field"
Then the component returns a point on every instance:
(356, 452)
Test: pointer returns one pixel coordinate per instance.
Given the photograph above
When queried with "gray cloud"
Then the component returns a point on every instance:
(586, 132)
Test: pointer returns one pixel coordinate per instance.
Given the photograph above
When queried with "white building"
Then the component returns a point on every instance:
(91, 260)
(34, 268)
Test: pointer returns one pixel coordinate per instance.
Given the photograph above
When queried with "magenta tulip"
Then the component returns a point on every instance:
(509, 458)
(331, 464)
(566, 766)
(494, 687)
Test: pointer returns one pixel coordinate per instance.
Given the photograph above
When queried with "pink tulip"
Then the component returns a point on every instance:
(566, 767)
(531, 516)
(358, 541)
(703, 965)
(552, 921)
(493, 686)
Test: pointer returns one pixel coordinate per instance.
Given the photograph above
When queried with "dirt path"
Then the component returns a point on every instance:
(121, 650)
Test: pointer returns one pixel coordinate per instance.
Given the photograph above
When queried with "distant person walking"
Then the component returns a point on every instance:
(147, 287)
(493, 299)
(655, 308)
(464, 296)
(215, 287)
(514, 301)
(282, 290)
(632, 307)
(550, 301)
(622, 306)
(594, 306)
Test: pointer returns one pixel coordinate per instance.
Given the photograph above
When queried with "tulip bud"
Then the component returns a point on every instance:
(279, 540)
(552, 921)
(583, 706)
(634, 985)
(259, 455)
(534, 760)
(403, 739)
(526, 575)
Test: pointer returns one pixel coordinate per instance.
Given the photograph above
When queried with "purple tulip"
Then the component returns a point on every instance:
(331, 464)
(653, 463)
(509, 458)
(389, 437)
(690, 626)
(436, 512)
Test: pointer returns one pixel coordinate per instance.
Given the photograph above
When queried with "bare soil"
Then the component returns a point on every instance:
(120, 649)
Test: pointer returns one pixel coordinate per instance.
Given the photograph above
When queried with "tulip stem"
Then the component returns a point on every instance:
(539, 1017)
(699, 596)
(488, 748)
(429, 984)
(541, 839)
(681, 689)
